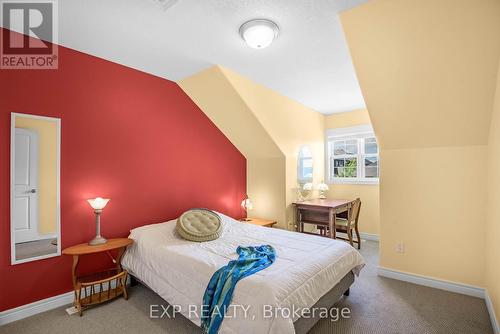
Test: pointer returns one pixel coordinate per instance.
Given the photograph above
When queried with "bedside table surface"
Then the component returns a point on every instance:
(260, 221)
(82, 249)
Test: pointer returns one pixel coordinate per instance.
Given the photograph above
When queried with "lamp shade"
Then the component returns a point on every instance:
(247, 204)
(323, 187)
(308, 186)
(98, 203)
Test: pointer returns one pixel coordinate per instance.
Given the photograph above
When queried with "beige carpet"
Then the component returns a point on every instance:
(378, 305)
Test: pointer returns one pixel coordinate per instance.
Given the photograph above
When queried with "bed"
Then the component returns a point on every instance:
(309, 271)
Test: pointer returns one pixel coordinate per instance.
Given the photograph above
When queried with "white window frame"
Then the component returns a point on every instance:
(359, 133)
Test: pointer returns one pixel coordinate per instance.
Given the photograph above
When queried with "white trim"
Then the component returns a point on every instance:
(43, 118)
(347, 131)
(13, 116)
(35, 258)
(463, 289)
(354, 181)
(491, 311)
(358, 133)
(28, 310)
(39, 306)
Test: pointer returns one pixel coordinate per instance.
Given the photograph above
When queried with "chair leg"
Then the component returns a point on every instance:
(349, 234)
(359, 237)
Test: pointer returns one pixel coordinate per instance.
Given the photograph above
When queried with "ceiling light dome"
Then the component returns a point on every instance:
(259, 33)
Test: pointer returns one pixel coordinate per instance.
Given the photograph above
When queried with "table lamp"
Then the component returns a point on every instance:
(98, 204)
(322, 189)
(247, 205)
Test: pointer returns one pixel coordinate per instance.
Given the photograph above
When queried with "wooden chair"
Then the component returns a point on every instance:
(347, 224)
(351, 223)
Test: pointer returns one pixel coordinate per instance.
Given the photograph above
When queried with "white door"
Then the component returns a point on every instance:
(25, 211)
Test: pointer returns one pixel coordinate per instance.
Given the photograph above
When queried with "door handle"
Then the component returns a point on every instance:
(33, 191)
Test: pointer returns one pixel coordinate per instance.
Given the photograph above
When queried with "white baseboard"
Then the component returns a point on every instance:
(464, 289)
(47, 304)
(39, 306)
(491, 311)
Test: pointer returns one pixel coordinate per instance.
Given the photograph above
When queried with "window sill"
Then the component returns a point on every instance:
(355, 182)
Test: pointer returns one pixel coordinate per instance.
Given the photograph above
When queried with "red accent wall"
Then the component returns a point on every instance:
(126, 135)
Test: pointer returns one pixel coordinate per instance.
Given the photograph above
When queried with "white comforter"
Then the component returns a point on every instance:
(178, 270)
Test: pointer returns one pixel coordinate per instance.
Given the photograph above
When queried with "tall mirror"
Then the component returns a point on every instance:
(35, 199)
(305, 165)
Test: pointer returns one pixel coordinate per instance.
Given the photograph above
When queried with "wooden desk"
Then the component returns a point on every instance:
(320, 212)
(259, 221)
(82, 283)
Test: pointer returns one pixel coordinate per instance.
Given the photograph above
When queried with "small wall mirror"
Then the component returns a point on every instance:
(305, 165)
(35, 199)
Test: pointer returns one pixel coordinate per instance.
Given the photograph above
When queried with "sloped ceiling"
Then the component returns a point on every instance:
(215, 95)
(289, 123)
(427, 68)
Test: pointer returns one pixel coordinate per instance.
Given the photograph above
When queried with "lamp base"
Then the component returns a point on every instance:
(98, 240)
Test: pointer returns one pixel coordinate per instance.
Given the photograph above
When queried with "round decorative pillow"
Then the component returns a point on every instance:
(199, 225)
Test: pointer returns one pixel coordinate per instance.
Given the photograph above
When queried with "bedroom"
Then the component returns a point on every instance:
(251, 109)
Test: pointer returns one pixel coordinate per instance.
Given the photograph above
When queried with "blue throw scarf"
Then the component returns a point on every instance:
(220, 289)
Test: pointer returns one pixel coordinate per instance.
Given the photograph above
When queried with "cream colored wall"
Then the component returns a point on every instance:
(268, 129)
(369, 218)
(427, 70)
(346, 119)
(288, 122)
(218, 99)
(434, 201)
(47, 135)
(265, 184)
(492, 277)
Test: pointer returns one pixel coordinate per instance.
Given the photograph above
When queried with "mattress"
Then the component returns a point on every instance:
(307, 267)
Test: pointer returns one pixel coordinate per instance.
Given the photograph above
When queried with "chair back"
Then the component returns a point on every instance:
(355, 208)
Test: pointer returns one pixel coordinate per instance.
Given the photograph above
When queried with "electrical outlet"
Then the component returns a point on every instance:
(400, 247)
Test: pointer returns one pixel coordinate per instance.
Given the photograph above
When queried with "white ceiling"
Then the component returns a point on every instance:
(308, 62)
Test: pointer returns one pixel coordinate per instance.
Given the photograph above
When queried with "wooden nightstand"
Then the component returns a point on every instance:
(259, 221)
(98, 287)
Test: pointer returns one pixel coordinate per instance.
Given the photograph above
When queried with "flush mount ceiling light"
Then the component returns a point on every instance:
(259, 33)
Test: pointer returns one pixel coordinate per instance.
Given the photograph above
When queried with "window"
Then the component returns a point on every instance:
(352, 155)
